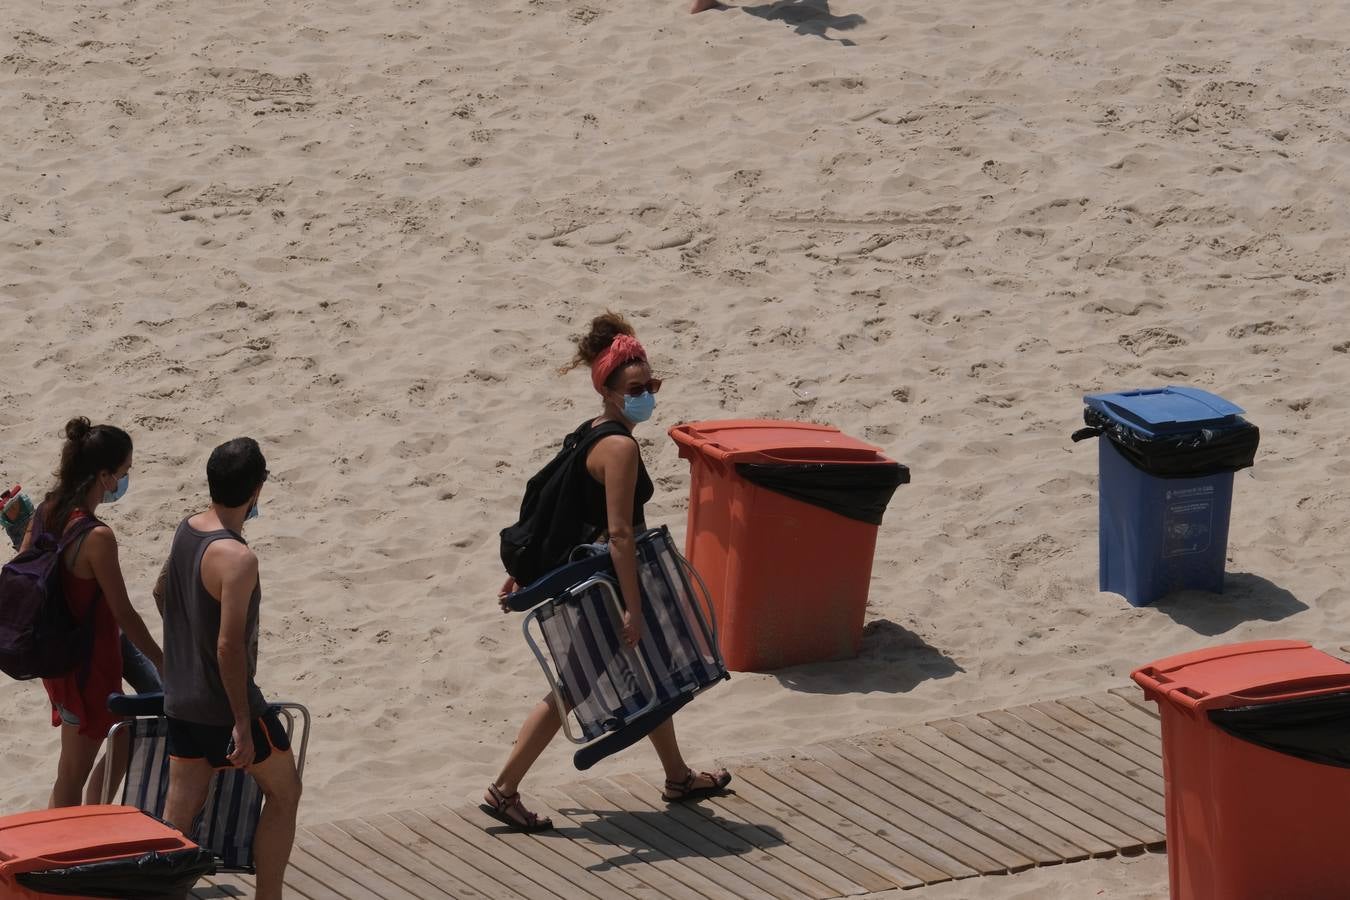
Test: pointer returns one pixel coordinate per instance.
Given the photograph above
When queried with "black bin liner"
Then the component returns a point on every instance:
(150, 876)
(1186, 454)
(857, 491)
(1315, 728)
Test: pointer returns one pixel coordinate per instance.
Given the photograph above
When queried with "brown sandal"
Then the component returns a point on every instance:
(503, 804)
(686, 790)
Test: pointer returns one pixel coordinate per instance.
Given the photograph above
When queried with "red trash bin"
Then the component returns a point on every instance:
(783, 523)
(1256, 764)
(117, 851)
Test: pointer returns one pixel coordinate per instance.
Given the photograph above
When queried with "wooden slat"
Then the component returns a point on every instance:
(364, 875)
(570, 841)
(889, 823)
(1140, 822)
(758, 832)
(592, 843)
(390, 880)
(827, 808)
(540, 853)
(644, 830)
(493, 845)
(613, 833)
(1147, 722)
(1109, 840)
(957, 839)
(823, 826)
(846, 876)
(1048, 775)
(700, 837)
(1145, 805)
(994, 800)
(326, 874)
(725, 838)
(299, 883)
(1012, 850)
(459, 837)
(457, 867)
(1134, 696)
(1101, 743)
(430, 881)
(1148, 742)
(947, 760)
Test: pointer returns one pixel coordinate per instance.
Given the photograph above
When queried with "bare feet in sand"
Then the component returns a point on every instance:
(704, 5)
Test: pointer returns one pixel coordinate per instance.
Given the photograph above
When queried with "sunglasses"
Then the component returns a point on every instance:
(637, 390)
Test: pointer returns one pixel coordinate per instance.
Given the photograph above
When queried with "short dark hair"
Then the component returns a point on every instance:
(234, 471)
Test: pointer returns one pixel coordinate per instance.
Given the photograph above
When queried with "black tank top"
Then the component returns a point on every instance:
(597, 513)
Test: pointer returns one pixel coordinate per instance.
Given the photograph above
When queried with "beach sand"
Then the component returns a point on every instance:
(363, 233)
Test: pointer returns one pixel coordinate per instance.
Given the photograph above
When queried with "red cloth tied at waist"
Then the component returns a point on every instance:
(623, 350)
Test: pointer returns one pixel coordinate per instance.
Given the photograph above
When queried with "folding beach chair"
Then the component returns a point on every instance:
(613, 694)
(233, 802)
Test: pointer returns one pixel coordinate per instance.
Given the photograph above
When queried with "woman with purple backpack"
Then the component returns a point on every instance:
(94, 469)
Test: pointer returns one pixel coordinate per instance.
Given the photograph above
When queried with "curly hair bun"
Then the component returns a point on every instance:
(78, 428)
(604, 329)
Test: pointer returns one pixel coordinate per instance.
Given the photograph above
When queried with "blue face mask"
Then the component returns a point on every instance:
(116, 493)
(640, 408)
(252, 511)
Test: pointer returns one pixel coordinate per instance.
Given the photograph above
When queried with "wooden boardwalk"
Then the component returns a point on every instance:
(991, 793)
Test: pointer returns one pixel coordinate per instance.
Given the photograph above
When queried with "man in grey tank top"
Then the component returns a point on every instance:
(209, 594)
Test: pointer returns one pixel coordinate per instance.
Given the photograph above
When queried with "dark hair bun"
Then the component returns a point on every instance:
(604, 329)
(78, 428)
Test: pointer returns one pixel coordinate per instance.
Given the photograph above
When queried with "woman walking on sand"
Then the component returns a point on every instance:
(616, 490)
(95, 468)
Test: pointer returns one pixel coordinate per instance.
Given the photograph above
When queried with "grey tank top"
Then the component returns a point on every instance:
(193, 689)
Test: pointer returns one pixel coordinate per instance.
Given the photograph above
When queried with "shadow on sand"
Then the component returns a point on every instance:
(1245, 598)
(810, 18)
(894, 660)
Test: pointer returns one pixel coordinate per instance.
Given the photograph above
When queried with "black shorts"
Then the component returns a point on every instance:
(189, 740)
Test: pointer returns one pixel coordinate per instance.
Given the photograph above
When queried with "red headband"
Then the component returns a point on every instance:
(624, 350)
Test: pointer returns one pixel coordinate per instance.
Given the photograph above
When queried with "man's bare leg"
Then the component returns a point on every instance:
(281, 789)
(188, 783)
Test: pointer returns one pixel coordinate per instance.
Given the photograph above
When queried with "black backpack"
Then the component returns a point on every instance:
(39, 636)
(552, 515)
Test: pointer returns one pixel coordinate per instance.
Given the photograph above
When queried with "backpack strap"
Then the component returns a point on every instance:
(76, 534)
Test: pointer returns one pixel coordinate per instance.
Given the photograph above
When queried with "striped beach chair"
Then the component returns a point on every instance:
(233, 802)
(610, 696)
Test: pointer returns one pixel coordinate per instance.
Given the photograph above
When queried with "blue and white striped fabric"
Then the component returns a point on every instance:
(597, 675)
(233, 802)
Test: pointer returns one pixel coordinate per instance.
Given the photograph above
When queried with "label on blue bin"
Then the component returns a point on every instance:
(1188, 520)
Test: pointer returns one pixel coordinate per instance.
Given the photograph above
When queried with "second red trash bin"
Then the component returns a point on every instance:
(783, 523)
(1256, 765)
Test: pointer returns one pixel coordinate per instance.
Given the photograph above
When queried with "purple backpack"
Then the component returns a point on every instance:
(39, 636)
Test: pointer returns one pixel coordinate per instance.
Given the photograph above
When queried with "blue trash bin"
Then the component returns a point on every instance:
(1167, 458)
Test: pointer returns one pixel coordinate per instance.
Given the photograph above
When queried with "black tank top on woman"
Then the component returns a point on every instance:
(597, 514)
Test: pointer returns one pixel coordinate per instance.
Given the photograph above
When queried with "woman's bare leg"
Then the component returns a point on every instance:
(540, 726)
(672, 760)
(72, 769)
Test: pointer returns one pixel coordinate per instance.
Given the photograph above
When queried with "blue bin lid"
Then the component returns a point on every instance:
(1155, 411)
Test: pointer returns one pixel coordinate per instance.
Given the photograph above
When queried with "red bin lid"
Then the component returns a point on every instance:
(56, 838)
(772, 440)
(1243, 675)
